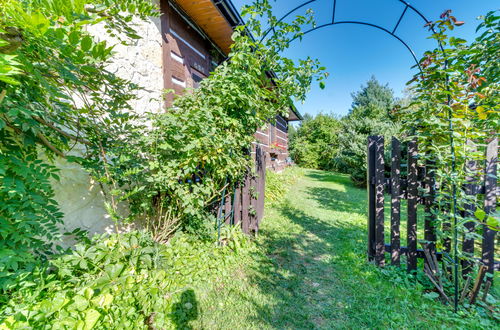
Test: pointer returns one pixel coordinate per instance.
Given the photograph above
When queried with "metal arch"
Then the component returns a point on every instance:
(367, 24)
(333, 22)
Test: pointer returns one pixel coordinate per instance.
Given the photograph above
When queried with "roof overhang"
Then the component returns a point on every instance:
(217, 19)
(294, 114)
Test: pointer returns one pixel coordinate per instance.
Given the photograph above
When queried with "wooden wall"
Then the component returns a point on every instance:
(274, 141)
(186, 54)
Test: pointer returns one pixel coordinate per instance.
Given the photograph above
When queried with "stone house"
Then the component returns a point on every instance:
(177, 50)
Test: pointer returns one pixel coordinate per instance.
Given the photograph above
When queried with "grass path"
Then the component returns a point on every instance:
(311, 271)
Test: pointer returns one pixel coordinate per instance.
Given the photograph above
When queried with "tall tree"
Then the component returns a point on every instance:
(329, 143)
(369, 115)
(374, 100)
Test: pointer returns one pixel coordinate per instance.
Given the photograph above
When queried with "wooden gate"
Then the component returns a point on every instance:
(418, 187)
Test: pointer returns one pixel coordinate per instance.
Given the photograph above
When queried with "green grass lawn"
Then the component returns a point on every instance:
(310, 271)
(307, 269)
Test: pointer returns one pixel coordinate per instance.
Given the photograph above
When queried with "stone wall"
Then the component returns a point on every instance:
(139, 62)
(81, 199)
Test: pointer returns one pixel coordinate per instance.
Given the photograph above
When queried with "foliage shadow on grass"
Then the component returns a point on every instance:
(303, 274)
(330, 177)
(311, 269)
(185, 310)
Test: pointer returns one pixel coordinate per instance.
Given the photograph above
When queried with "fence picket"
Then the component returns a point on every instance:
(490, 198)
(379, 202)
(469, 209)
(261, 182)
(228, 206)
(409, 188)
(237, 205)
(253, 203)
(371, 196)
(412, 192)
(430, 217)
(245, 203)
(395, 201)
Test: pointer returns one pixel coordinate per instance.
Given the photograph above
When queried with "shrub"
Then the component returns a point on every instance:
(56, 92)
(173, 176)
(315, 142)
(351, 158)
(456, 102)
(125, 281)
(278, 184)
(47, 60)
(370, 114)
(329, 143)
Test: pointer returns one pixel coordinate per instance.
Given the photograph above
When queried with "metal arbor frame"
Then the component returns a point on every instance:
(335, 22)
(417, 63)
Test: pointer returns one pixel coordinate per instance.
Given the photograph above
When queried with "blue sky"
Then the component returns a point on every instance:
(352, 53)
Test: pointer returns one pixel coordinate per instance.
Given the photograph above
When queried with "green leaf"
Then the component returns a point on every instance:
(480, 214)
(431, 295)
(59, 301)
(103, 301)
(91, 318)
(74, 37)
(39, 21)
(80, 303)
(493, 222)
(9, 80)
(88, 293)
(114, 270)
(86, 43)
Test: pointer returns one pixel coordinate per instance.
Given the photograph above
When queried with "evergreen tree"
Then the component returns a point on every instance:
(373, 101)
(369, 115)
(329, 143)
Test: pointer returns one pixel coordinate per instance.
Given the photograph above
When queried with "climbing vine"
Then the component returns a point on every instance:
(173, 176)
(456, 101)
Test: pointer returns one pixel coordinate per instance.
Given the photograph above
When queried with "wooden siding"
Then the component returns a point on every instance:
(186, 54)
(273, 139)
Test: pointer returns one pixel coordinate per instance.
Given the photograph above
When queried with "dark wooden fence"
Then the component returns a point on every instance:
(418, 186)
(244, 203)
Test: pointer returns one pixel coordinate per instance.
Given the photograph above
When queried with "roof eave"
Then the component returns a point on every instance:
(229, 12)
(296, 112)
(233, 17)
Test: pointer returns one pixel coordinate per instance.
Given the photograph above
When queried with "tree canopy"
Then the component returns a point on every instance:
(373, 100)
(331, 143)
